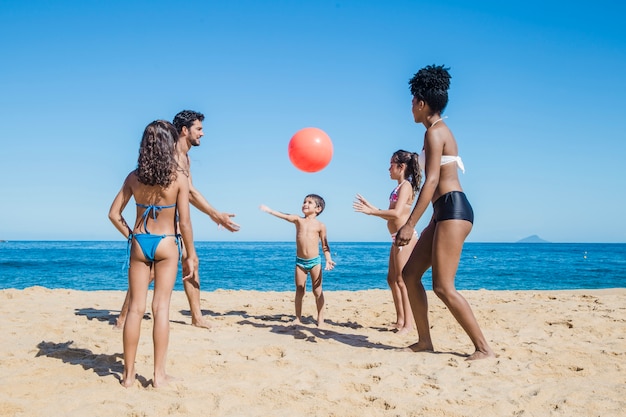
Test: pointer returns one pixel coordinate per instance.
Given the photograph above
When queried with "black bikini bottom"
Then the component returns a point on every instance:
(453, 206)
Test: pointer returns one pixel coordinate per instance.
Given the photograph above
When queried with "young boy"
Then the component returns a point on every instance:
(309, 232)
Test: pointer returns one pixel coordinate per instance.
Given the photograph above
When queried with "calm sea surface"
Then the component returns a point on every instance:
(269, 266)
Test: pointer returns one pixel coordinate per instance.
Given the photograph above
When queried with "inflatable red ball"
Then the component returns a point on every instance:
(310, 149)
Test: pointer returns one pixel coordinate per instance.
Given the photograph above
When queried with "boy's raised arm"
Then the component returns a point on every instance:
(289, 217)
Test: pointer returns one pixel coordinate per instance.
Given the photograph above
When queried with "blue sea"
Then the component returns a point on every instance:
(269, 266)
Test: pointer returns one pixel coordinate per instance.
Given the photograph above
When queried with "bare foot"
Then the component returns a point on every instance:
(321, 324)
(128, 382)
(404, 330)
(119, 323)
(202, 323)
(163, 381)
(481, 355)
(418, 347)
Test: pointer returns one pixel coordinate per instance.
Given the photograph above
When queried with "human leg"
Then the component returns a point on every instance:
(399, 260)
(121, 319)
(138, 281)
(192, 291)
(447, 246)
(166, 269)
(419, 261)
(395, 289)
(300, 278)
(316, 287)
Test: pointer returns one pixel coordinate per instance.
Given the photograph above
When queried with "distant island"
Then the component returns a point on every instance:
(532, 239)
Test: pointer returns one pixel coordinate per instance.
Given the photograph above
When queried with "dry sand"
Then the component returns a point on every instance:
(561, 353)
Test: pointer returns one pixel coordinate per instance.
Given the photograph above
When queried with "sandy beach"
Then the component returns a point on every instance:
(561, 353)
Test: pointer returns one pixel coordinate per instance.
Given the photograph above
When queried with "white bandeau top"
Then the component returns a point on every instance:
(445, 159)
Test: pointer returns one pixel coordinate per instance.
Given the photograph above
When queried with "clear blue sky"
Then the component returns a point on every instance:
(537, 104)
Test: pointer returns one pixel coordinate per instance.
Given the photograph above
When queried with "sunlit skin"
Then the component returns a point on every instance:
(310, 232)
(193, 134)
(396, 215)
(189, 137)
(440, 243)
(162, 265)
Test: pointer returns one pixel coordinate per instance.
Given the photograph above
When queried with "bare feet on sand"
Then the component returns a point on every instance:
(163, 381)
(127, 381)
(404, 330)
(418, 347)
(481, 355)
(202, 323)
(119, 324)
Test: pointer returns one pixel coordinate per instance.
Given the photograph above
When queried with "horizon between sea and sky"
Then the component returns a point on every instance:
(537, 104)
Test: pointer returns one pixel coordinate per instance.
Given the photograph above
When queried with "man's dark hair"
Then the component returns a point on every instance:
(186, 118)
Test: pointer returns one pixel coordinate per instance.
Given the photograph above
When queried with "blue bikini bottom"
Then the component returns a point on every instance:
(149, 244)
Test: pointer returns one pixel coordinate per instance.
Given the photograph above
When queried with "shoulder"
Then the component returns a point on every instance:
(181, 179)
(438, 139)
(440, 135)
(179, 184)
(131, 178)
(406, 185)
(437, 134)
(406, 188)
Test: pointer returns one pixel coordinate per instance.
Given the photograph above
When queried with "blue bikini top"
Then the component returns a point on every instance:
(151, 208)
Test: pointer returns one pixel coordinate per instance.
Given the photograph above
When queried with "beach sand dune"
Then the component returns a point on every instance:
(561, 353)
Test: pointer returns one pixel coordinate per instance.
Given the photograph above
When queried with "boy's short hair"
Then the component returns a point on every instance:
(318, 200)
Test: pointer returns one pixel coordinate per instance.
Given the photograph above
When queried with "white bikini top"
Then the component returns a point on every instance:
(445, 159)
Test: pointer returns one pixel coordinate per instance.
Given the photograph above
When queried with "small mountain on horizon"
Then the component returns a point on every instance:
(532, 239)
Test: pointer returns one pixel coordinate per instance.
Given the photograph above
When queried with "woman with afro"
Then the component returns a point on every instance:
(441, 242)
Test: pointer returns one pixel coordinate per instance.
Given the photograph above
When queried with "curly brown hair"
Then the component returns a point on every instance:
(157, 164)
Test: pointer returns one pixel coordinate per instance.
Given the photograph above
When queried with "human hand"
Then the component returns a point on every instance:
(361, 205)
(403, 236)
(224, 220)
(264, 208)
(189, 268)
(330, 264)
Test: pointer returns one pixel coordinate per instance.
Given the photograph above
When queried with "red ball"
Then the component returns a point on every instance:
(310, 149)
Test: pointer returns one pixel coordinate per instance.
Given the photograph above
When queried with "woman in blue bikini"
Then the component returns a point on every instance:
(162, 200)
(404, 169)
(441, 242)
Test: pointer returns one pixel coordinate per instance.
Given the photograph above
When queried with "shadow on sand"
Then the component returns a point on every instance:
(101, 364)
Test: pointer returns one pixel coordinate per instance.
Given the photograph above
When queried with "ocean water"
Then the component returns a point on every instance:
(269, 266)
